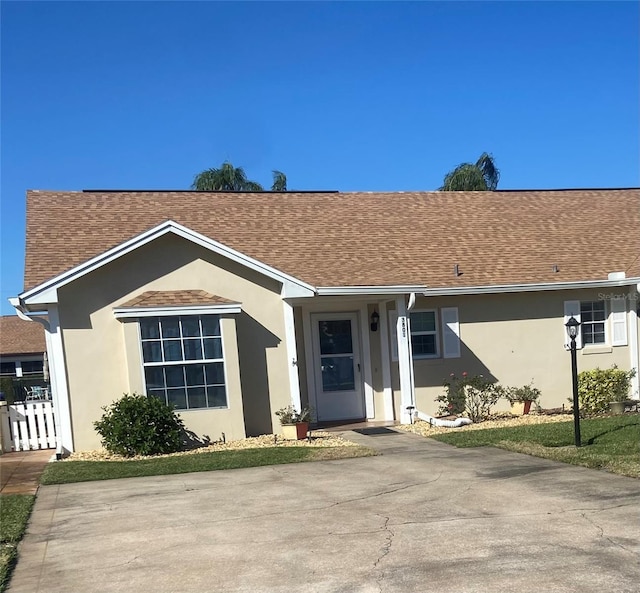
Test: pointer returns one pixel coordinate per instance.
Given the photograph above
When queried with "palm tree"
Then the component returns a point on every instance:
(226, 178)
(279, 181)
(483, 176)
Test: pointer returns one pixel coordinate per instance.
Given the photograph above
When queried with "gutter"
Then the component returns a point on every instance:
(541, 286)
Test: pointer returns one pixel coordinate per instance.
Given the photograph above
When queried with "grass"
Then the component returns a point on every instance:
(14, 515)
(85, 471)
(607, 443)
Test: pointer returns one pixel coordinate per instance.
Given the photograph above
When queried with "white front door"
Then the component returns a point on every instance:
(337, 369)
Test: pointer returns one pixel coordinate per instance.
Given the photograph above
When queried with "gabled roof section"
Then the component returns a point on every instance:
(358, 239)
(20, 337)
(175, 302)
(47, 291)
(175, 298)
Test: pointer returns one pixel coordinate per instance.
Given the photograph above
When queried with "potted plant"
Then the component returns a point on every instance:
(295, 425)
(521, 398)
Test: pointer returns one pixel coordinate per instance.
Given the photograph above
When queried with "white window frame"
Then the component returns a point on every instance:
(436, 333)
(201, 361)
(605, 321)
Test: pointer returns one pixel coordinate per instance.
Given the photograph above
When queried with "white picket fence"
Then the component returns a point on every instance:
(29, 426)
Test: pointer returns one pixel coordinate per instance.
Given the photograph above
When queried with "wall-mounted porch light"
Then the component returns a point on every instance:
(374, 321)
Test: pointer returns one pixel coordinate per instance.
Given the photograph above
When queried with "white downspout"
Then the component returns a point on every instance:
(421, 415)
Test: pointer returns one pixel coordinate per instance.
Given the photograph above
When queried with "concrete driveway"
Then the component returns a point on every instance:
(423, 516)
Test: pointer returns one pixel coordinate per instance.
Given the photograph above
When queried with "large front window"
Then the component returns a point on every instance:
(183, 360)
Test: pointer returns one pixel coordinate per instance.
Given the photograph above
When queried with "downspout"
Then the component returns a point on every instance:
(421, 415)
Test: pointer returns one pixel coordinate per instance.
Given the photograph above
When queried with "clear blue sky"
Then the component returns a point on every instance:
(347, 96)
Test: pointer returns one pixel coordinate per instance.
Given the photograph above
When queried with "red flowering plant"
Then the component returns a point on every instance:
(452, 402)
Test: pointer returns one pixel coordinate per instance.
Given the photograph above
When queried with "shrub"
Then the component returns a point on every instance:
(139, 425)
(481, 394)
(599, 387)
(453, 400)
(526, 393)
(290, 415)
(472, 396)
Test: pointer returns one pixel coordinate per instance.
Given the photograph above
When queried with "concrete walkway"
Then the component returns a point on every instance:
(20, 471)
(423, 517)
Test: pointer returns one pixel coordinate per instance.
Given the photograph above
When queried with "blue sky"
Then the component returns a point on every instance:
(347, 96)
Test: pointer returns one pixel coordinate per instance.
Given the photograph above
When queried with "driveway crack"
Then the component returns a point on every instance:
(384, 551)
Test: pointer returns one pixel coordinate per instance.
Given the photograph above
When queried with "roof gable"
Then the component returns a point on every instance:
(47, 291)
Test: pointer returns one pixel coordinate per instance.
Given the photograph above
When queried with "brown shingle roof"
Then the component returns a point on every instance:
(20, 337)
(338, 239)
(175, 298)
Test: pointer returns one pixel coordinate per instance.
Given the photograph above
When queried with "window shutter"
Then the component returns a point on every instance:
(393, 333)
(571, 308)
(618, 322)
(450, 332)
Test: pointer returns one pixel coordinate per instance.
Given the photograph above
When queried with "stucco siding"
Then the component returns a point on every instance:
(103, 354)
(515, 339)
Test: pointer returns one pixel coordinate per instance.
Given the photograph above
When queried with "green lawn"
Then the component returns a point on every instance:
(84, 471)
(607, 443)
(14, 515)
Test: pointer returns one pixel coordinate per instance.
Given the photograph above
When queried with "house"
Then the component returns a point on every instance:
(233, 305)
(22, 347)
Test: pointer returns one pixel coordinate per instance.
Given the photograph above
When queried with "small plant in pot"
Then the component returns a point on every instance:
(295, 425)
(521, 398)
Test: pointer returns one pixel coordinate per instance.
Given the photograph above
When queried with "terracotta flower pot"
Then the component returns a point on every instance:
(295, 432)
(520, 408)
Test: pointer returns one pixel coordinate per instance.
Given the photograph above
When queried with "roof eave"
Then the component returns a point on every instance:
(534, 287)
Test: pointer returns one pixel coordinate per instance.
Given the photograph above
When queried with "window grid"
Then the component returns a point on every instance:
(188, 380)
(593, 321)
(424, 342)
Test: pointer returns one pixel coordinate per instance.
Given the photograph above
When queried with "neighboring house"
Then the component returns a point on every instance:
(231, 306)
(22, 347)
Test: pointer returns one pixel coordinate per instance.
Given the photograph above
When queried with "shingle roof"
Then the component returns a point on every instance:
(175, 298)
(349, 239)
(20, 337)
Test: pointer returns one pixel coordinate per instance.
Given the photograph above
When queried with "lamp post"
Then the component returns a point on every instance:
(573, 326)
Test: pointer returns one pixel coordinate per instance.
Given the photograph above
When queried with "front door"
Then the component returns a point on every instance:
(337, 367)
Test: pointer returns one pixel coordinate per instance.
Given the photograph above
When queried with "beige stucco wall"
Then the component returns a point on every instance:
(514, 338)
(103, 355)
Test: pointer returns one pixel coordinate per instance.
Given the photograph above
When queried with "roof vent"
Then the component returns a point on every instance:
(456, 271)
(555, 268)
(616, 276)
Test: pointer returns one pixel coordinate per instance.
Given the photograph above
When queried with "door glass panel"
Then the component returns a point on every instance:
(335, 337)
(337, 373)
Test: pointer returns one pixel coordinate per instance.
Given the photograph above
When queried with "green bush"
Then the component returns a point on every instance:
(599, 387)
(481, 394)
(140, 425)
(472, 396)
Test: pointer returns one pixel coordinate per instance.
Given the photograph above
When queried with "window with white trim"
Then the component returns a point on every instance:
(183, 360)
(593, 320)
(424, 334)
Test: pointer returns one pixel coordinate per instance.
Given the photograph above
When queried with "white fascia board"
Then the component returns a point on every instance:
(134, 312)
(47, 291)
(505, 288)
(368, 290)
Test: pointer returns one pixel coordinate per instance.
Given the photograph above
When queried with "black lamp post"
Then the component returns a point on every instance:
(573, 327)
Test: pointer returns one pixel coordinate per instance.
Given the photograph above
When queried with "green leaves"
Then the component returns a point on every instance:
(483, 176)
(230, 178)
(599, 387)
(139, 425)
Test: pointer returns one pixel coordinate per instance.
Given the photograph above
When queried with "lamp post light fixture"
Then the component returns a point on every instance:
(573, 327)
